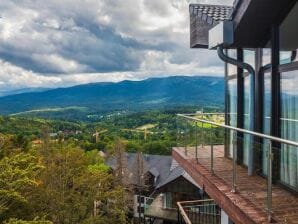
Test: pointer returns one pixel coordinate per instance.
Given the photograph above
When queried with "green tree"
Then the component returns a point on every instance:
(70, 184)
(17, 180)
(19, 221)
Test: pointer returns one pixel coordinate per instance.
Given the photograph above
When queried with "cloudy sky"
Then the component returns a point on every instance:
(54, 43)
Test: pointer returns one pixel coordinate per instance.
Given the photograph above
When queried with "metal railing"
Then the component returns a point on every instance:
(269, 137)
(195, 126)
(198, 212)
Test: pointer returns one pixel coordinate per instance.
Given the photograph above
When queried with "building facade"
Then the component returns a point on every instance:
(253, 175)
(263, 36)
(238, 103)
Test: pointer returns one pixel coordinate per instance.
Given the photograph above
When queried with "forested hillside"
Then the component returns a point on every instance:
(127, 95)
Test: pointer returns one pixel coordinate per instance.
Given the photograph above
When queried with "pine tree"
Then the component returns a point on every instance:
(122, 171)
(139, 171)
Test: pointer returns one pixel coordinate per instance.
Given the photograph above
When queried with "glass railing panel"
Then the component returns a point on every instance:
(289, 166)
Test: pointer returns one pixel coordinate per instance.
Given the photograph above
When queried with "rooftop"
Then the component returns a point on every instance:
(252, 21)
(212, 14)
(164, 168)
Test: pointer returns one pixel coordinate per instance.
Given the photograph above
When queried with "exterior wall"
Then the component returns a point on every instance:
(139, 203)
(225, 218)
(180, 190)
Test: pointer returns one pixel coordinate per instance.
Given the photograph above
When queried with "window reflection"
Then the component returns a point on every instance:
(289, 127)
(266, 118)
(249, 57)
(232, 69)
(231, 110)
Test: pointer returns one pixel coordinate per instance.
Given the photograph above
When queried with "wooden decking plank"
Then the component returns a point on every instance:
(252, 196)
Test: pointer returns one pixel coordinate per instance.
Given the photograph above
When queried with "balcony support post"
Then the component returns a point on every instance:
(178, 138)
(275, 97)
(211, 145)
(202, 133)
(269, 182)
(196, 137)
(234, 186)
(185, 139)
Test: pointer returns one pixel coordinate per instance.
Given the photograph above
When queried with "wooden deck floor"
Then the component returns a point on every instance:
(250, 200)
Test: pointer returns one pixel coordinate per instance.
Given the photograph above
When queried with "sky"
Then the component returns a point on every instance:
(53, 43)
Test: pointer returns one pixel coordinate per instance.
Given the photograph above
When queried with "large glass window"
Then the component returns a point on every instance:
(249, 57)
(246, 117)
(168, 200)
(285, 57)
(232, 69)
(289, 128)
(231, 100)
(231, 110)
(266, 119)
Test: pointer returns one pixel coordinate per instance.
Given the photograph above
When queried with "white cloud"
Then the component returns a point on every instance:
(13, 77)
(62, 64)
(60, 43)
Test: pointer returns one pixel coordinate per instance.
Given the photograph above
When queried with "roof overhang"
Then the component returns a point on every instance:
(221, 34)
(252, 23)
(289, 30)
(253, 20)
(202, 19)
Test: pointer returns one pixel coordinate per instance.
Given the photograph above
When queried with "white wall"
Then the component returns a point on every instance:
(224, 217)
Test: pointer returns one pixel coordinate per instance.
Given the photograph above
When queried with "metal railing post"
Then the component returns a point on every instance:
(189, 134)
(211, 145)
(196, 133)
(269, 181)
(178, 132)
(234, 186)
(178, 215)
(185, 140)
(202, 133)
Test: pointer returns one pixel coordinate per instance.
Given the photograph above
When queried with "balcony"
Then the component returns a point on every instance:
(209, 151)
(154, 208)
(199, 212)
(187, 212)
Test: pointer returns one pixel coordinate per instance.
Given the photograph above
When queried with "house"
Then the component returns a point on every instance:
(168, 183)
(253, 174)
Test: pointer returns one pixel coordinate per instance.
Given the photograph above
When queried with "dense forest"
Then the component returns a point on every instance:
(151, 132)
(56, 182)
(53, 171)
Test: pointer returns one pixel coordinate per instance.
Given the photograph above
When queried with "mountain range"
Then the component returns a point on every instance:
(23, 90)
(151, 93)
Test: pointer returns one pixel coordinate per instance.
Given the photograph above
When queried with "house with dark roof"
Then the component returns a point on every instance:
(165, 184)
(252, 174)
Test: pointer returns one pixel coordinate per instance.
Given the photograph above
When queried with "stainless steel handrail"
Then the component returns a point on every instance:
(267, 117)
(257, 134)
(207, 114)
